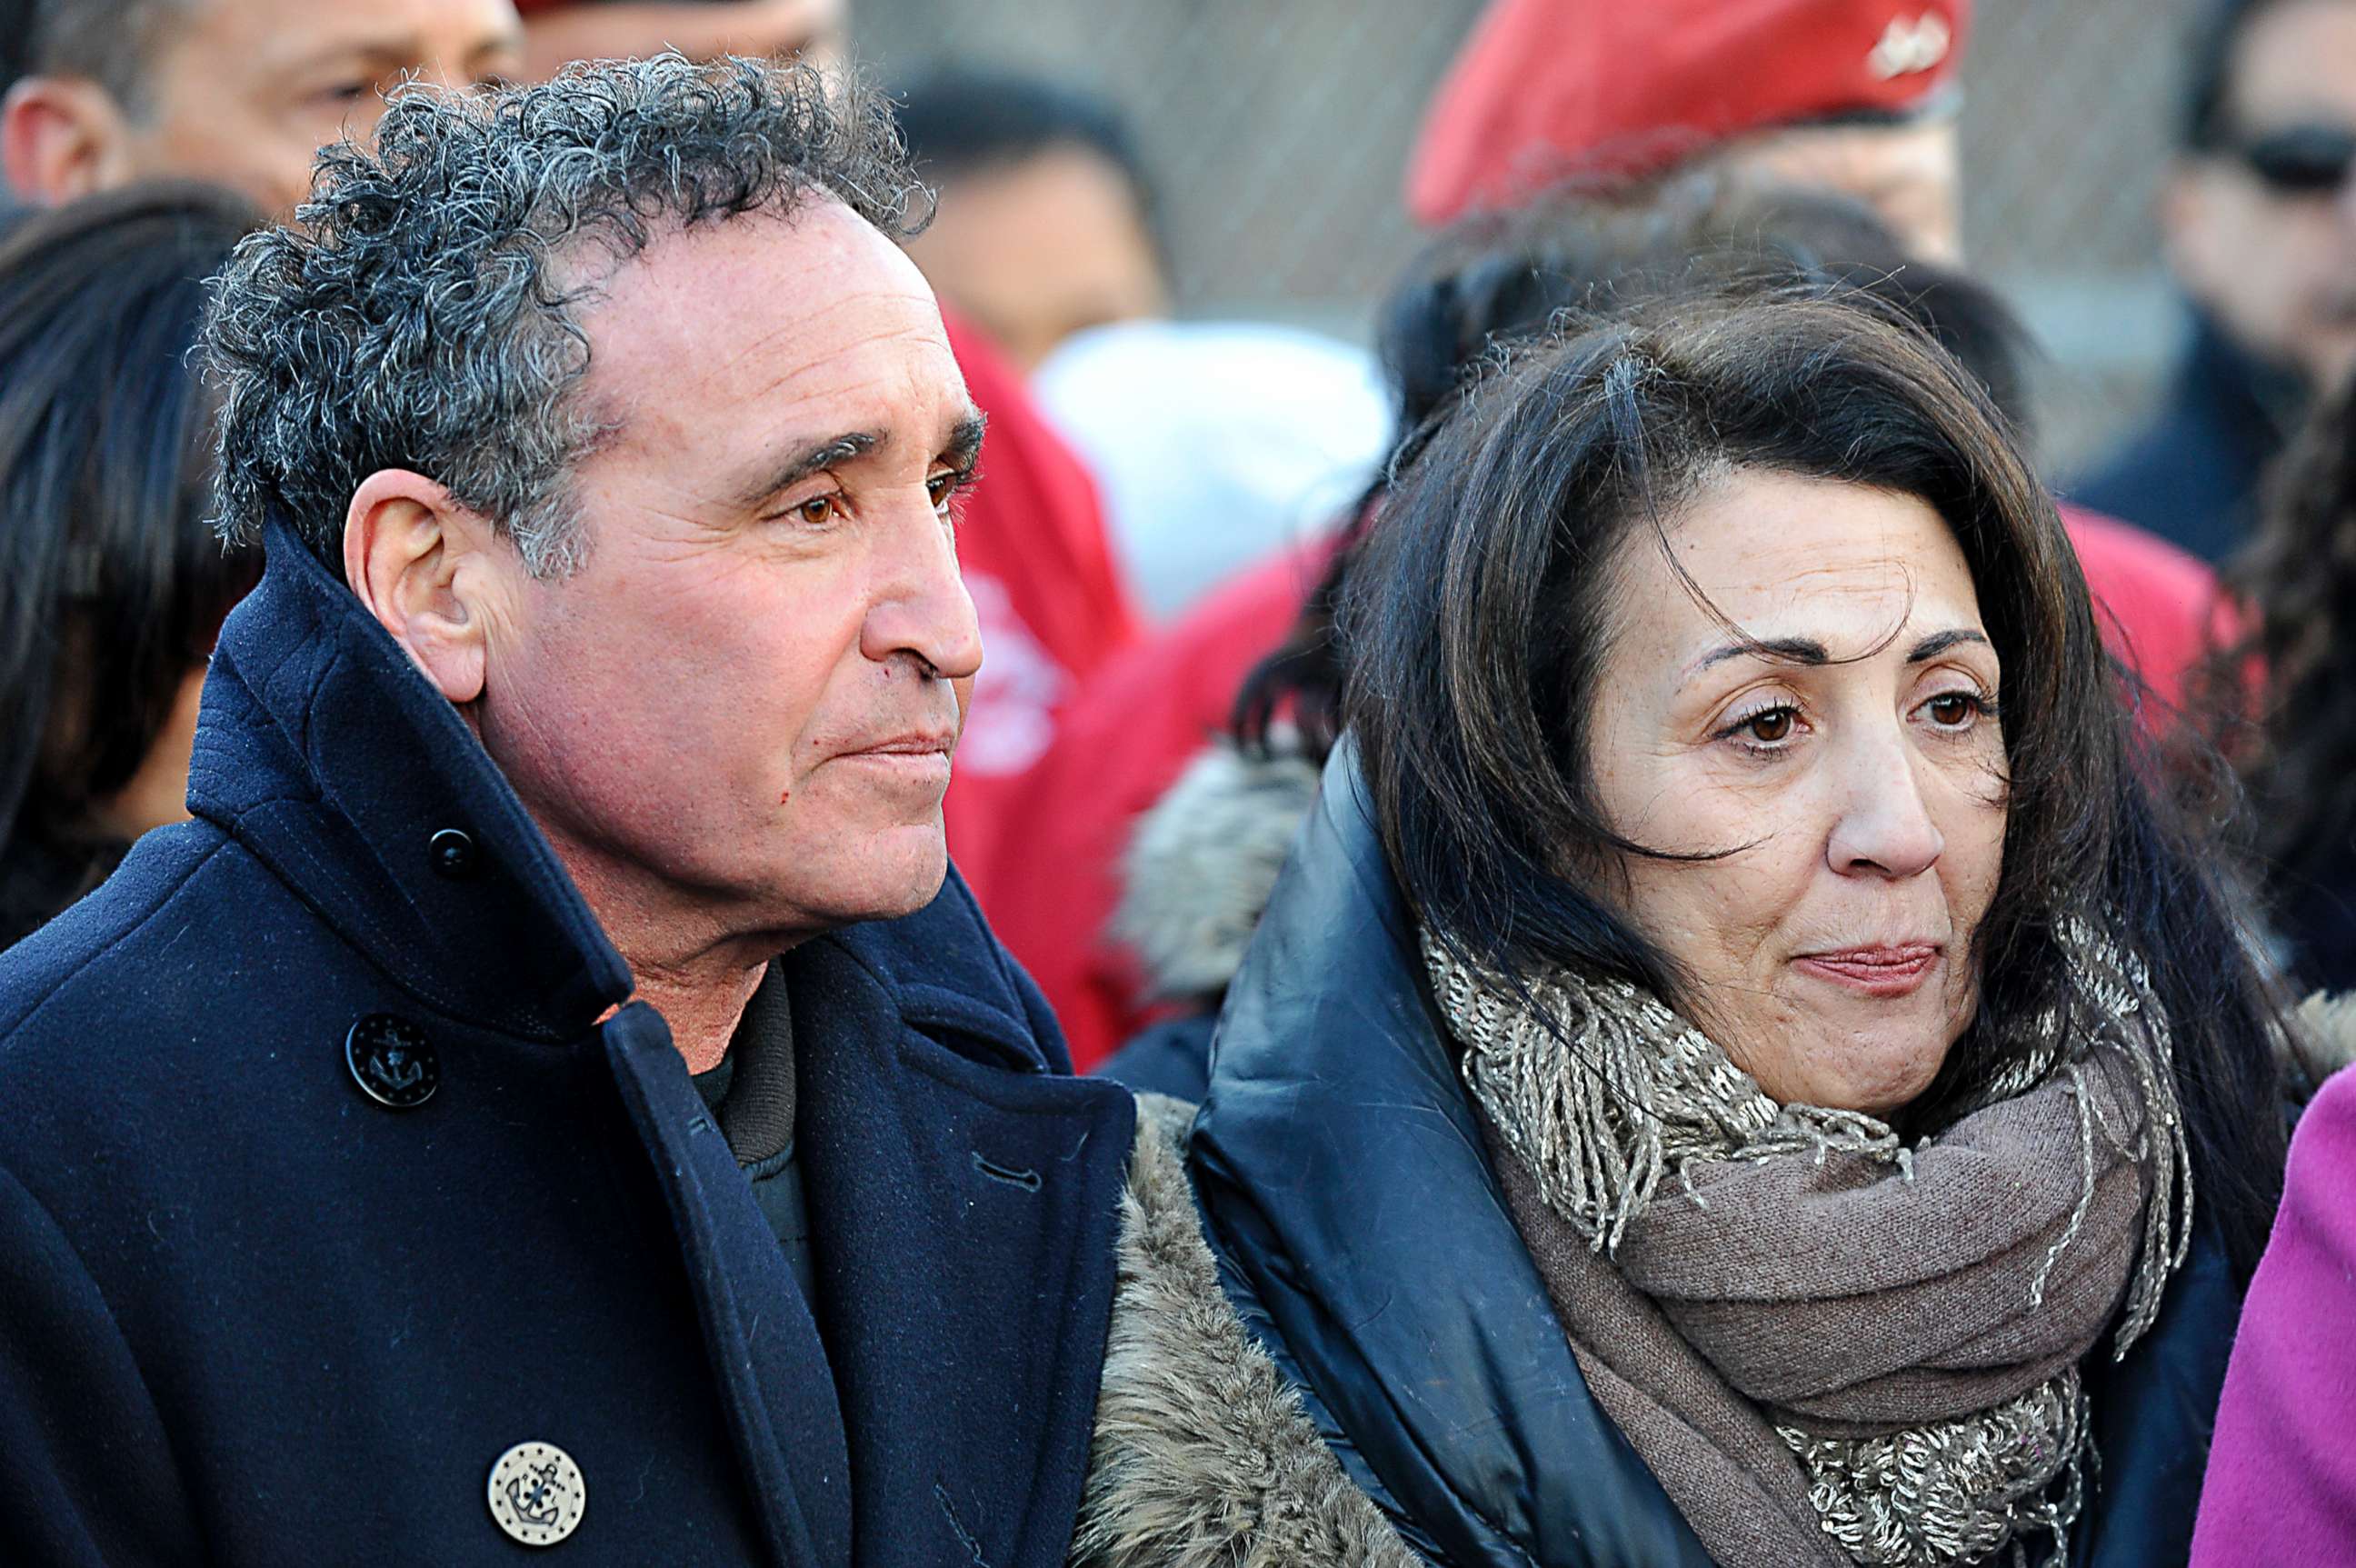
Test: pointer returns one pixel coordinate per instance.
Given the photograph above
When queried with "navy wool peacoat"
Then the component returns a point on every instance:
(335, 1163)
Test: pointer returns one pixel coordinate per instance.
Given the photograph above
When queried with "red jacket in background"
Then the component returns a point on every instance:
(1124, 741)
(1050, 600)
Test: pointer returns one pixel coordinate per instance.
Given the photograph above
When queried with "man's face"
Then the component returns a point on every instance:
(2277, 267)
(245, 93)
(1038, 250)
(811, 30)
(739, 711)
(1908, 174)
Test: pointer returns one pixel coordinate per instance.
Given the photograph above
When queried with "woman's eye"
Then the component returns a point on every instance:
(1952, 710)
(1769, 726)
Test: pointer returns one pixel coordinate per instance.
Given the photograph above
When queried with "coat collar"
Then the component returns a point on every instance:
(1337, 1156)
(322, 748)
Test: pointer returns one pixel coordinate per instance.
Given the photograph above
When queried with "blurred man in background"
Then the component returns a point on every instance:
(1046, 219)
(239, 92)
(2261, 230)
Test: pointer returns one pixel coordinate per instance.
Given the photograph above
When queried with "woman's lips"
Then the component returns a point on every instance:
(1875, 971)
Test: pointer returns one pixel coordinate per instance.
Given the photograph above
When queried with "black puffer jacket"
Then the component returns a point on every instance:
(1363, 1240)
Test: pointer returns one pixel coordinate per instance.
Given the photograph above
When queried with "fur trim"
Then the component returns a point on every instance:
(1204, 860)
(1202, 1456)
(2322, 1039)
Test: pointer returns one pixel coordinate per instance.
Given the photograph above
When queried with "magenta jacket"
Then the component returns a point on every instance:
(2282, 1473)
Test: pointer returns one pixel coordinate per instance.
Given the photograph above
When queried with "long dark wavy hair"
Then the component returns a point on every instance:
(1493, 277)
(1473, 626)
(2280, 696)
(112, 586)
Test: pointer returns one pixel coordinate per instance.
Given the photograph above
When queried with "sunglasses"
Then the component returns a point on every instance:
(2300, 160)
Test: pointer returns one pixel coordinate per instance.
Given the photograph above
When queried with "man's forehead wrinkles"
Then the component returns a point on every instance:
(802, 362)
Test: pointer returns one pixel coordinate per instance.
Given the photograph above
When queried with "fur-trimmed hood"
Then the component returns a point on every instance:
(1204, 859)
(1204, 1456)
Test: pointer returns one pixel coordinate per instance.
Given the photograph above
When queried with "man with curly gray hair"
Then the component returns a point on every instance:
(556, 1090)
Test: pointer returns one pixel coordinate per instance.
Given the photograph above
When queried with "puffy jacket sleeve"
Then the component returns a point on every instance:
(2282, 1473)
(87, 1476)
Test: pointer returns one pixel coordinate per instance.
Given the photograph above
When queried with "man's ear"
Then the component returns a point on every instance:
(434, 573)
(62, 137)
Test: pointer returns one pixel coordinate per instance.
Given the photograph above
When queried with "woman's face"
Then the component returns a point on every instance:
(1853, 767)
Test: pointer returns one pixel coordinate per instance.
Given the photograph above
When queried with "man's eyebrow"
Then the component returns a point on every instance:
(964, 446)
(816, 457)
(1938, 643)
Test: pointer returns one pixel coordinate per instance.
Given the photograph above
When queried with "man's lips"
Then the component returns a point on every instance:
(1892, 970)
(925, 756)
(907, 745)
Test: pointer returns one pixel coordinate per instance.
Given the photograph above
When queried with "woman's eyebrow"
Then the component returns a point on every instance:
(1783, 649)
(1808, 651)
(1938, 643)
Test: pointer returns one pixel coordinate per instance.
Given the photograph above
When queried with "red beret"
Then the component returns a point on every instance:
(1627, 87)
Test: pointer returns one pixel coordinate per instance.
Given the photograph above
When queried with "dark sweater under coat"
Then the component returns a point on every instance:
(249, 1316)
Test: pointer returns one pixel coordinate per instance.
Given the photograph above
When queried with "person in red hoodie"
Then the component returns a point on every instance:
(1125, 902)
(1046, 587)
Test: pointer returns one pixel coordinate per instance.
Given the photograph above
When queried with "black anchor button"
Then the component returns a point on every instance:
(393, 1061)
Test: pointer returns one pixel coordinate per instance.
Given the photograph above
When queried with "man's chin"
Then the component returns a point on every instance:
(894, 879)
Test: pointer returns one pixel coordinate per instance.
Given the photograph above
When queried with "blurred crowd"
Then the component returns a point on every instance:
(1192, 551)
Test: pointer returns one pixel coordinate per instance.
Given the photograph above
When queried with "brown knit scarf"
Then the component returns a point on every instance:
(1828, 1347)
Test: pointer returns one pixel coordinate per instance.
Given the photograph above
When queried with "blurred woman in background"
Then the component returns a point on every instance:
(1726, 1071)
(111, 586)
(2282, 701)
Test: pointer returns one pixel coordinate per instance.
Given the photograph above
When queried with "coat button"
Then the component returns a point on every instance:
(537, 1494)
(452, 850)
(393, 1061)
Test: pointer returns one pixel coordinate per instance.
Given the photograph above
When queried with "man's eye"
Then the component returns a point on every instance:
(946, 487)
(817, 511)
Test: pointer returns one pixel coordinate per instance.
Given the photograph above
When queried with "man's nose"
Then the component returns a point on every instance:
(920, 608)
(1884, 826)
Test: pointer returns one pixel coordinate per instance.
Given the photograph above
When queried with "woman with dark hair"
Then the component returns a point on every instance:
(1200, 861)
(114, 587)
(2283, 701)
(1726, 1070)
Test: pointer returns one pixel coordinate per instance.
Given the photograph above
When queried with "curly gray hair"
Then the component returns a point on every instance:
(422, 316)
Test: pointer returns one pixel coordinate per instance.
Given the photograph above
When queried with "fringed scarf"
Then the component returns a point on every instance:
(1830, 1346)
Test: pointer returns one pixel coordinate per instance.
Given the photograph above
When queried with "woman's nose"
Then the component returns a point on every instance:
(1884, 826)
